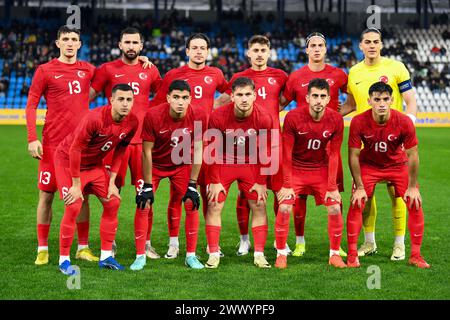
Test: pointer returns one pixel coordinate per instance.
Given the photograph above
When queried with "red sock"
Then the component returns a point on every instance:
(108, 223)
(191, 226)
(140, 229)
(416, 225)
(204, 196)
(242, 213)
(83, 232)
(275, 205)
(67, 228)
(282, 229)
(174, 212)
(300, 216)
(335, 227)
(42, 234)
(354, 225)
(260, 237)
(150, 223)
(213, 237)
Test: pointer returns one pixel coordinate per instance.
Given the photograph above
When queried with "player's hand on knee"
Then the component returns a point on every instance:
(261, 191)
(73, 195)
(412, 197)
(285, 194)
(359, 197)
(193, 195)
(214, 189)
(145, 194)
(35, 149)
(335, 195)
(113, 191)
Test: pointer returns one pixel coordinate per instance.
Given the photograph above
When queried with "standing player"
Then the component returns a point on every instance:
(80, 170)
(372, 69)
(64, 82)
(296, 89)
(390, 153)
(269, 82)
(168, 129)
(128, 69)
(308, 167)
(204, 81)
(241, 129)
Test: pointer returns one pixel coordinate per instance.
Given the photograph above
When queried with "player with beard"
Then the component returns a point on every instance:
(204, 81)
(297, 89)
(269, 82)
(129, 69)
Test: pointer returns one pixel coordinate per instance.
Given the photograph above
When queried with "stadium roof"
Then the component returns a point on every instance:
(404, 6)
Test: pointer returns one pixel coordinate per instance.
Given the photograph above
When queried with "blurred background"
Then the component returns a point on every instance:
(416, 32)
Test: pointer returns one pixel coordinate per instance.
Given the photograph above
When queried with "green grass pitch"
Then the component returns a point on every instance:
(308, 277)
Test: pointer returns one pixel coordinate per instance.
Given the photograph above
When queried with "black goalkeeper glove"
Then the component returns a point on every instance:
(145, 194)
(193, 195)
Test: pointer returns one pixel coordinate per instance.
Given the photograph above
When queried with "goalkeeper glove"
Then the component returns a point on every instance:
(193, 195)
(145, 194)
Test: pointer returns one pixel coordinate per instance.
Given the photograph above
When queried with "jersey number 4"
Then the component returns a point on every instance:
(262, 92)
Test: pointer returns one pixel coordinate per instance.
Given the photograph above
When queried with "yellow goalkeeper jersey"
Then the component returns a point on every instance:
(392, 72)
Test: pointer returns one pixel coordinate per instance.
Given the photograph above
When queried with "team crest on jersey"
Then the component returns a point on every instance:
(251, 132)
(122, 135)
(391, 137)
(143, 76)
(326, 134)
(208, 79)
(81, 74)
(384, 79)
(272, 81)
(330, 82)
(186, 131)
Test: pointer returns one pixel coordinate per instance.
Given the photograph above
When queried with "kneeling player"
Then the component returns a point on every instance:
(390, 154)
(168, 129)
(240, 129)
(80, 171)
(308, 169)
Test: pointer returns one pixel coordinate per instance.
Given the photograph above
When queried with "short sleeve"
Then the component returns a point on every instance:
(410, 137)
(100, 78)
(147, 129)
(222, 84)
(288, 91)
(343, 81)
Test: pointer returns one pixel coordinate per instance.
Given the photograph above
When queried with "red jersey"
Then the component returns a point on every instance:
(298, 81)
(94, 138)
(204, 83)
(268, 85)
(305, 142)
(384, 145)
(167, 134)
(143, 82)
(65, 88)
(242, 137)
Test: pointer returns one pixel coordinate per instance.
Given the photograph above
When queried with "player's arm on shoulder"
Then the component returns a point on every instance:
(146, 63)
(223, 99)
